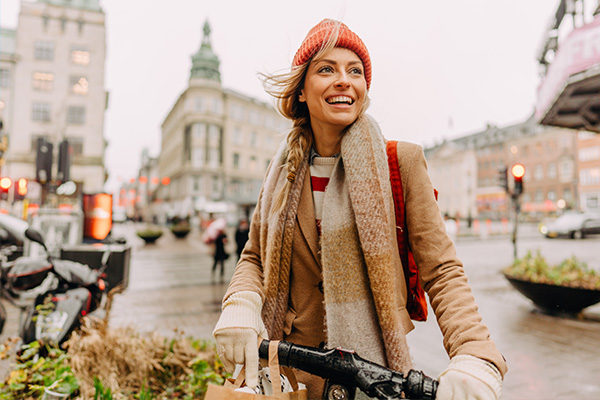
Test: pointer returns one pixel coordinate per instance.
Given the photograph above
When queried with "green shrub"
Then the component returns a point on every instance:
(570, 272)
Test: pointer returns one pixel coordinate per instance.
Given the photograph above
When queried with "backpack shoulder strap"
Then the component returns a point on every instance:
(396, 181)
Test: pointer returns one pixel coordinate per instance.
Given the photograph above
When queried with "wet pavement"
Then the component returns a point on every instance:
(171, 289)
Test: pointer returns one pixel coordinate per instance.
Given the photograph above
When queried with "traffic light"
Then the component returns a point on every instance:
(5, 184)
(43, 161)
(503, 178)
(518, 171)
(64, 161)
(20, 189)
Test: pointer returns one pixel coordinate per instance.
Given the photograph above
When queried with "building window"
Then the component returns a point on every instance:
(253, 139)
(213, 161)
(215, 187)
(76, 115)
(76, 145)
(43, 81)
(566, 170)
(4, 78)
(589, 176)
(552, 195)
(79, 85)
(217, 106)
(40, 112)
(199, 133)
(200, 104)
(80, 55)
(214, 134)
(198, 157)
(236, 161)
(552, 171)
(237, 135)
(567, 195)
(538, 172)
(252, 166)
(43, 50)
(589, 153)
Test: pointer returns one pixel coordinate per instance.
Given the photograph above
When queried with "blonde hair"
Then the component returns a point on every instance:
(286, 88)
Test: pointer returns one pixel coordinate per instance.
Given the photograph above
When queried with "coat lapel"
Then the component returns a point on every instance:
(306, 219)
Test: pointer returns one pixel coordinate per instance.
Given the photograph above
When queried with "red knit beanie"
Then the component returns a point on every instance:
(319, 35)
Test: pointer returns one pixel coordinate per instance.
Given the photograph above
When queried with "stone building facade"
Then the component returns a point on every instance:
(52, 86)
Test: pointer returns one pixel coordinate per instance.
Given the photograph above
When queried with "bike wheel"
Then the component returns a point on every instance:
(27, 328)
(2, 317)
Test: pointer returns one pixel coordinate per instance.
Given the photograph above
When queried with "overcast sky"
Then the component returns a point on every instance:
(441, 69)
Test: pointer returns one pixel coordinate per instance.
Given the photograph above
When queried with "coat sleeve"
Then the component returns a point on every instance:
(442, 273)
(248, 273)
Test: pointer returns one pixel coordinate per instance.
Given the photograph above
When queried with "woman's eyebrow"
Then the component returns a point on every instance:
(326, 60)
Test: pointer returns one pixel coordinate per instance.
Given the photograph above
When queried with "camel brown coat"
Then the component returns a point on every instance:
(442, 273)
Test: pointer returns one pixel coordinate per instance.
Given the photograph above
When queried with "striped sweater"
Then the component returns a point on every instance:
(320, 171)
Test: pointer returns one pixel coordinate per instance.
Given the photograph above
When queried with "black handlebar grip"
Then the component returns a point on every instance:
(419, 386)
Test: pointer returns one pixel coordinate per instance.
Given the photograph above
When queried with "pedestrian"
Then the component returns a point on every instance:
(220, 254)
(321, 267)
(241, 236)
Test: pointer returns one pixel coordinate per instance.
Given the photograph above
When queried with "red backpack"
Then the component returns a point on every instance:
(416, 303)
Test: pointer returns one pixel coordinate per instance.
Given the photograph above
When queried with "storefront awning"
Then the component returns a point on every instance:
(569, 95)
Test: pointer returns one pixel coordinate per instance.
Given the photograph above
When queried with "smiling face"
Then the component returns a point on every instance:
(334, 91)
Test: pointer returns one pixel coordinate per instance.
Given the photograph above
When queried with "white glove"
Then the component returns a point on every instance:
(469, 377)
(237, 333)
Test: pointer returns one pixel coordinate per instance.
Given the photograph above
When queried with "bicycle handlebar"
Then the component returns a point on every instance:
(346, 368)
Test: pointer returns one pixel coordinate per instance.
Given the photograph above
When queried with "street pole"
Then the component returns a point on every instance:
(517, 208)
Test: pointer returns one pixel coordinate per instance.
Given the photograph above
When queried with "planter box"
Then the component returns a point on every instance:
(555, 298)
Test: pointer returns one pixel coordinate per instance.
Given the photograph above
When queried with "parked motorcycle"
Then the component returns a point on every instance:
(64, 291)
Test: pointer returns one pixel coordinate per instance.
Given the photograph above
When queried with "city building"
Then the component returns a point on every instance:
(468, 171)
(216, 144)
(52, 87)
(588, 150)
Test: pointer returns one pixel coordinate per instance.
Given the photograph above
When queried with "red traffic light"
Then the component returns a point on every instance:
(22, 187)
(5, 183)
(518, 170)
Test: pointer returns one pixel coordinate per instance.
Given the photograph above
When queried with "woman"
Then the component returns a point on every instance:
(321, 266)
(220, 254)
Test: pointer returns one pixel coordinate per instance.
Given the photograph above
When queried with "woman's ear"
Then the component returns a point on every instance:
(301, 97)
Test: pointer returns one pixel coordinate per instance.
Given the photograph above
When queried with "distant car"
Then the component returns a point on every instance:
(574, 225)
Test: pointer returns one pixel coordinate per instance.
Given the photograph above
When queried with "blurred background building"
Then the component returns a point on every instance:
(215, 147)
(52, 92)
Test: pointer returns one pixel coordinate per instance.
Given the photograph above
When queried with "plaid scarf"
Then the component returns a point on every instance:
(358, 247)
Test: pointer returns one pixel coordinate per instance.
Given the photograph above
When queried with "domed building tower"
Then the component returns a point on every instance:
(216, 144)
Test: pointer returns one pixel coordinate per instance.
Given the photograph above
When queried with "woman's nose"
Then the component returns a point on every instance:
(342, 80)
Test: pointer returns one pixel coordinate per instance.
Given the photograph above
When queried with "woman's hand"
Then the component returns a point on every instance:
(239, 346)
(469, 377)
(237, 333)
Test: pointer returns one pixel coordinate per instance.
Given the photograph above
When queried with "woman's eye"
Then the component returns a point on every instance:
(356, 71)
(326, 68)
